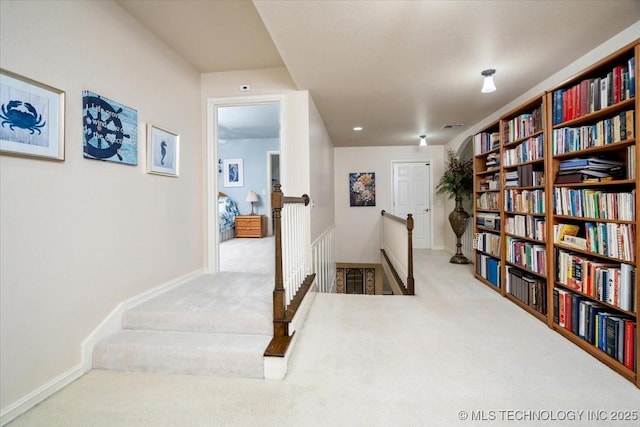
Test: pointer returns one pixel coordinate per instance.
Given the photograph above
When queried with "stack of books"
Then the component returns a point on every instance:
(589, 170)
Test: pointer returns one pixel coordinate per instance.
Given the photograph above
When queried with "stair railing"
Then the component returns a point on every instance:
(290, 224)
(397, 250)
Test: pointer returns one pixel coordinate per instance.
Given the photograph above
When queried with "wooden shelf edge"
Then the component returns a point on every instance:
(528, 309)
(597, 353)
(488, 283)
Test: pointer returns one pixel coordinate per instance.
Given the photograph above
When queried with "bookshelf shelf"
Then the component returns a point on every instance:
(520, 140)
(526, 308)
(614, 146)
(592, 254)
(486, 282)
(588, 219)
(530, 239)
(524, 213)
(523, 268)
(596, 352)
(588, 123)
(490, 230)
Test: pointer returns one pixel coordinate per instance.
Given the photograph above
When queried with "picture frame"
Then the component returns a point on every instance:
(163, 151)
(110, 130)
(233, 173)
(31, 118)
(362, 189)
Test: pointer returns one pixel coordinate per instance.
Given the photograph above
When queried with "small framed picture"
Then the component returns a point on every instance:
(163, 151)
(31, 118)
(233, 173)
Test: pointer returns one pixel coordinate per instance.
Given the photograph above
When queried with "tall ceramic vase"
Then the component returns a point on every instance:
(458, 219)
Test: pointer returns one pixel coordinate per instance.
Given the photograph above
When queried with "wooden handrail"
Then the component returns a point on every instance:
(409, 222)
(393, 217)
(283, 314)
(303, 199)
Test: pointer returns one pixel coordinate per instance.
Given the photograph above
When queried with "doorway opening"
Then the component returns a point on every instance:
(244, 134)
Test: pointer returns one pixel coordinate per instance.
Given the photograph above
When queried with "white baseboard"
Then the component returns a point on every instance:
(110, 325)
(21, 406)
(113, 322)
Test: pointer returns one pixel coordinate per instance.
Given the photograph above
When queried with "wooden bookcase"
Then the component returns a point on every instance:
(487, 221)
(594, 115)
(525, 206)
(586, 282)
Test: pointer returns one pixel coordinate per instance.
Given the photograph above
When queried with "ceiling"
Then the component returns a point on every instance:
(397, 68)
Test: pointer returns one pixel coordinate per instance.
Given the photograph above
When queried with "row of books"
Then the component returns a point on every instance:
(529, 290)
(620, 127)
(611, 239)
(527, 255)
(608, 282)
(491, 182)
(524, 201)
(488, 220)
(523, 125)
(489, 268)
(590, 169)
(485, 142)
(529, 150)
(492, 161)
(611, 332)
(592, 203)
(589, 175)
(524, 176)
(488, 243)
(631, 162)
(594, 94)
(488, 201)
(526, 226)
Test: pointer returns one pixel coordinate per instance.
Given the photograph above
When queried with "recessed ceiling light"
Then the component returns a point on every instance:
(358, 128)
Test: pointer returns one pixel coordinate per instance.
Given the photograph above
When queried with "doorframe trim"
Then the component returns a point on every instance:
(212, 244)
(270, 154)
(428, 162)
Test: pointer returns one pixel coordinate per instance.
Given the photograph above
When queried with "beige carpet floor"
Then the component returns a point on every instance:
(455, 351)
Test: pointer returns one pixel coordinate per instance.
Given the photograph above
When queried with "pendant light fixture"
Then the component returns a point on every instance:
(423, 140)
(488, 85)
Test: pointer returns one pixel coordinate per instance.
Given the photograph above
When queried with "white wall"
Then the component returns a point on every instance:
(321, 174)
(80, 236)
(358, 235)
(303, 135)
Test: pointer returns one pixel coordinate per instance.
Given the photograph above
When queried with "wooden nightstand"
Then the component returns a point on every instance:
(250, 226)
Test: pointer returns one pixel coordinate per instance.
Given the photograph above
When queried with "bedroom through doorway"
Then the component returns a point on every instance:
(247, 147)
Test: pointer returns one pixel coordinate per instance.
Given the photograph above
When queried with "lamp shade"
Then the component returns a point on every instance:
(488, 85)
(252, 196)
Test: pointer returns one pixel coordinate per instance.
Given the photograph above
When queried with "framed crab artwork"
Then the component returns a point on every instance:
(31, 118)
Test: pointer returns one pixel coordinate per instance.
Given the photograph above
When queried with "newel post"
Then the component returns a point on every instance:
(410, 280)
(280, 327)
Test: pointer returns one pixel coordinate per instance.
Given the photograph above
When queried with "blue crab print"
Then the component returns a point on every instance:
(22, 115)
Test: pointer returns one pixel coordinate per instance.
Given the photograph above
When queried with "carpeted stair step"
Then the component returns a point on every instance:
(236, 303)
(229, 355)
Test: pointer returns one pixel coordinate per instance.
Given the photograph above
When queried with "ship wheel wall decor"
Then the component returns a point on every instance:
(110, 130)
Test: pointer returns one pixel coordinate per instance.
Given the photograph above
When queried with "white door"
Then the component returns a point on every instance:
(412, 195)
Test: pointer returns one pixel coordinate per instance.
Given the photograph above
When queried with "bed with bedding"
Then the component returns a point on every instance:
(227, 212)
